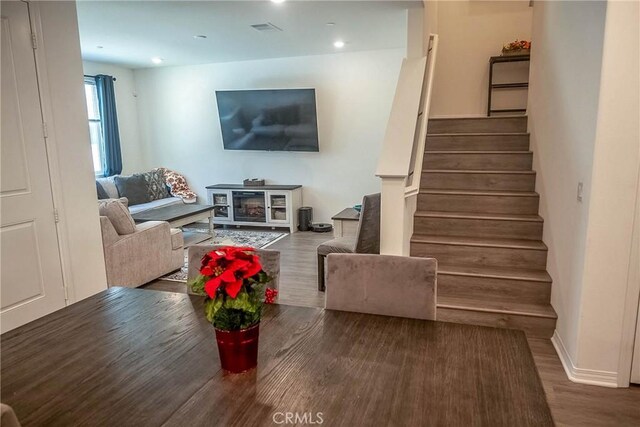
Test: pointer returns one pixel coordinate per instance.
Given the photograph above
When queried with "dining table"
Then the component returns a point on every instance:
(138, 357)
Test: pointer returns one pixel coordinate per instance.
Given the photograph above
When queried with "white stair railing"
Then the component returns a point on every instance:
(400, 163)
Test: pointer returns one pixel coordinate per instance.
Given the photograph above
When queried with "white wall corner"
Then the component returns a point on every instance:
(581, 375)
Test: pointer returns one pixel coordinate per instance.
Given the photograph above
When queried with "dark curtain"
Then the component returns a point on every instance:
(109, 118)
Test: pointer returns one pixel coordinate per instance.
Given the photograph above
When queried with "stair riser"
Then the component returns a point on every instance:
(478, 204)
(479, 125)
(534, 327)
(477, 142)
(492, 161)
(481, 256)
(463, 227)
(478, 181)
(492, 289)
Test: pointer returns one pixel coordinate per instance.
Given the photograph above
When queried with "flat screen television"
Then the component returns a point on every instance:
(268, 120)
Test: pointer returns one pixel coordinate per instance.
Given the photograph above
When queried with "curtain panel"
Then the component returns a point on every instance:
(110, 132)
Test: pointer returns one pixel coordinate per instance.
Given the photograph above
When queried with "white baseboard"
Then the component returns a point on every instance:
(580, 375)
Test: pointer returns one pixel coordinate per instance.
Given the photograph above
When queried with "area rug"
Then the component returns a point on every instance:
(255, 239)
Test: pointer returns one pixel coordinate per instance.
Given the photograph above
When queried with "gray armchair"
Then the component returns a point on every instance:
(382, 284)
(367, 240)
(269, 259)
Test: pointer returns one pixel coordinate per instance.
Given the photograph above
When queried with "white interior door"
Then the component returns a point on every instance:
(31, 274)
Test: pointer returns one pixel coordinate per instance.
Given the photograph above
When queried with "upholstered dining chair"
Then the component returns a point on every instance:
(270, 260)
(367, 240)
(382, 284)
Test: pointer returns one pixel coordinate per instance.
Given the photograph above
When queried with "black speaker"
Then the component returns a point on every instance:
(305, 218)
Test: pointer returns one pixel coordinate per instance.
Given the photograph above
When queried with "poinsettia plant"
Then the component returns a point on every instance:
(234, 283)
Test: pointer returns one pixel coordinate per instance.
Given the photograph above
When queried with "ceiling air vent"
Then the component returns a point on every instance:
(266, 28)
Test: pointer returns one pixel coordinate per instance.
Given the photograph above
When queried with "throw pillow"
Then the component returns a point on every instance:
(133, 187)
(109, 186)
(157, 188)
(119, 216)
(101, 193)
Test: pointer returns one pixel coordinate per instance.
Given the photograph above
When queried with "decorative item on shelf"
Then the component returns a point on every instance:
(358, 208)
(254, 182)
(234, 284)
(518, 47)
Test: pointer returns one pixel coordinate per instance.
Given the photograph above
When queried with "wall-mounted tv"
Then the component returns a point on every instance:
(268, 120)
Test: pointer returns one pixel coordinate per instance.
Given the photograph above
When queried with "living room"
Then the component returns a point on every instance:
(169, 77)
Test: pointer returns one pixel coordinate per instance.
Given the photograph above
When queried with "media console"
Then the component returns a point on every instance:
(265, 205)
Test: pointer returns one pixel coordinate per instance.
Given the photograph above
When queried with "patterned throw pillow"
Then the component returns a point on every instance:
(157, 187)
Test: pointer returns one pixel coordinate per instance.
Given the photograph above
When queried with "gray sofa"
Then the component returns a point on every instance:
(111, 190)
(137, 254)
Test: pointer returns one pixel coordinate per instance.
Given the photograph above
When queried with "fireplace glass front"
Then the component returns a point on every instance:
(249, 206)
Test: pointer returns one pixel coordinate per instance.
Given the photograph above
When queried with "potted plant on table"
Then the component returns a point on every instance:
(233, 281)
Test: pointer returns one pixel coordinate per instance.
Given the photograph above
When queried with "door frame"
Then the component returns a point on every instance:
(631, 314)
(51, 150)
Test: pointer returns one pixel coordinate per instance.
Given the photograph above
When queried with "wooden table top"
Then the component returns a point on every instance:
(347, 214)
(149, 358)
(171, 212)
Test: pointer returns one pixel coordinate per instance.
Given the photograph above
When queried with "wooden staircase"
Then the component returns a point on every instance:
(478, 216)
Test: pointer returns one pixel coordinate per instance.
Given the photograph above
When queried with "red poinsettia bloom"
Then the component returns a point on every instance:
(229, 267)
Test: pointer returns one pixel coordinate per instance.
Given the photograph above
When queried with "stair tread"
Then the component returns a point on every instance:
(513, 116)
(479, 171)
(466, 215)
(535, 310)
(479, 134)
(480, 241)
(496, 272)
(481, 192)
(488, 152)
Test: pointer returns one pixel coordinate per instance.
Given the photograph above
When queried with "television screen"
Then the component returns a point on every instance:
(268, 120)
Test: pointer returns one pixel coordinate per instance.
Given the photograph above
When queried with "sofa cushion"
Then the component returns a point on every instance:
(101, 193)
(109, 187)
(155, 204)
(157, 189)
(177, 240)
(119, 216)
(133, 187)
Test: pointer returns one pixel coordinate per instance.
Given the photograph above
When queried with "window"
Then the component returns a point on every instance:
(95, 125)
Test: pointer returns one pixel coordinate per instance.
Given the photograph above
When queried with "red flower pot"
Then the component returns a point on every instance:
(238, 349)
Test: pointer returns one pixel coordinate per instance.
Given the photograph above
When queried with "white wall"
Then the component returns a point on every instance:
(583, 119)
(471, 31)
(563, 108)
(613, 196)
(127, 108)
(179, 126)
(60, 74)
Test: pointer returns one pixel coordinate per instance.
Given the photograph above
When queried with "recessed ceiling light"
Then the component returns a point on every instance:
(330, 24)
(339, 44)
(199, 36)
(157, 60)
(277, 1)
(99, 47)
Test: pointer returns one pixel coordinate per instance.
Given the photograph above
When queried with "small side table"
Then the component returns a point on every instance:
(345, 223)
(499, 60)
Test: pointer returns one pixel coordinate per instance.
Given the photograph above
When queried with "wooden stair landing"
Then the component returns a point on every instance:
(477, 214)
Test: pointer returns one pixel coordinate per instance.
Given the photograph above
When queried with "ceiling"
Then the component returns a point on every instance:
(130, 33)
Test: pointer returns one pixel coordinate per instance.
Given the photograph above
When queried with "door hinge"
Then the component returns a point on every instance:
(34, 40)
(45, 131)
(56, 216)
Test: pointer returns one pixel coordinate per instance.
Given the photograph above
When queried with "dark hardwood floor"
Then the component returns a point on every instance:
(571, 404)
